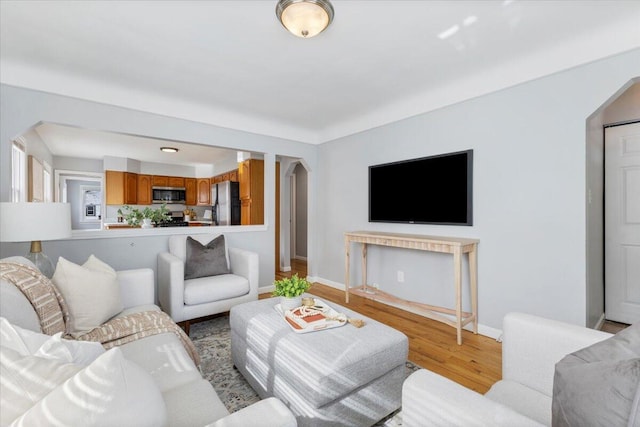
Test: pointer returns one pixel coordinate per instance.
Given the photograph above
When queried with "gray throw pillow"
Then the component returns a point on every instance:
(205, 260)
(600, 384)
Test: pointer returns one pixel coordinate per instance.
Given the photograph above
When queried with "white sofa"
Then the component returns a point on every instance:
(211, 295)
(190, 400)
(531, 347)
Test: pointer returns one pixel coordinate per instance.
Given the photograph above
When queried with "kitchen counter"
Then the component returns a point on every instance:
(118, 225)
(198, 223)
(121, 225)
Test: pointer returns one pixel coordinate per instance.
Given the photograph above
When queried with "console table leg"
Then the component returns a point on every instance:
(473, 281)
(364, 265)
(457, 274)
(347, 244)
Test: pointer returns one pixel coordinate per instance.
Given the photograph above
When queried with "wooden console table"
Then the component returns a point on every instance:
(451, 245)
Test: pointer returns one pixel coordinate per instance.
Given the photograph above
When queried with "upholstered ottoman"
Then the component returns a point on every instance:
(344, 376)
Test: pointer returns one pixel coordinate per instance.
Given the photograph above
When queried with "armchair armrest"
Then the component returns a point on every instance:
(245, 263)
(171, 285)
(270, 412)
(429, 399)
(137, 287)
(532, 346)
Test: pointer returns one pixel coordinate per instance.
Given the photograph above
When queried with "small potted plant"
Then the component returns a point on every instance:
(132, 216)
(290, 290)
(160, 215)
(146, 216)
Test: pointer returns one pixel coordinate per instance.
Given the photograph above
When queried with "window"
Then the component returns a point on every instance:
(18, 172)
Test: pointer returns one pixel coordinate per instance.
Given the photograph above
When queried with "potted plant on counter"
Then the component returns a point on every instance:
(147, 216)
(290, 290)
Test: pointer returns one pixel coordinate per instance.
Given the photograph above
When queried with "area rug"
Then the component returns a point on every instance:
(212, 338)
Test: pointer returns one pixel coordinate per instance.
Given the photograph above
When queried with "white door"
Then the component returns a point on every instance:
(622, 223)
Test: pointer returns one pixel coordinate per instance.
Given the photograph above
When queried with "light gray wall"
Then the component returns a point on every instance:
(301, 211)
(529, 146)
(22, 108)
(36, 147)
(626, 107)
(78, 164)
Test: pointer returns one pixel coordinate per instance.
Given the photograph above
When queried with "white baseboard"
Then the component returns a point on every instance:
(286, 269)
(300, 258)
(266, 289)
(486, 331)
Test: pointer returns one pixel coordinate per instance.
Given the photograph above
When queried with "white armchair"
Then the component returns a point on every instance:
(531, 347)
(185, 300)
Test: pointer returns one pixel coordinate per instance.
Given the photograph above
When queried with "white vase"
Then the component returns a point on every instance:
(146, 223)
(290, 303)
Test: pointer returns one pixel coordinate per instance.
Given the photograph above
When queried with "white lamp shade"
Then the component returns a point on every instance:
(25, 222)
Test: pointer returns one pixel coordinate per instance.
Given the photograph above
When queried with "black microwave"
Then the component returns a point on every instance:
(168, 195)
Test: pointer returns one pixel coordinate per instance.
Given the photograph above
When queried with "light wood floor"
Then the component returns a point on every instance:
(297, 266)
(476, 364)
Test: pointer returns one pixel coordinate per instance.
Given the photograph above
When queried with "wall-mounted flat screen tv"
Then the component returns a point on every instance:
(429, 190)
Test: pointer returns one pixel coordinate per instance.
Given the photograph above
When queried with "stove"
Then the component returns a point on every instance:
(177, 220)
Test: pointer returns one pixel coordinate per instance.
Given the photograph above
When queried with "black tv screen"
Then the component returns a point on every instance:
(429, 190)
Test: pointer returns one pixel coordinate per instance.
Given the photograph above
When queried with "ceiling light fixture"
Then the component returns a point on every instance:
(305, 18)
(169, 149)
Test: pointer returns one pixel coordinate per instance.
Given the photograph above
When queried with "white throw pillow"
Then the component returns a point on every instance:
(93, 263)
(26, 380)
(23, 341)
(112, 391)
(91, 291)
(30, 343)
(80, 352)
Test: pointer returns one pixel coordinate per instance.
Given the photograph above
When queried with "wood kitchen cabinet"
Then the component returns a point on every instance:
(160, 181)
(191, 191)
(203, 187)
(168, 181)
(251, 178)
(144, 190)
(121, 188)
(231, 175)
(176, 181)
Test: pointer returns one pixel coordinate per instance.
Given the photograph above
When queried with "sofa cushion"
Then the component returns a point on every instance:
(205, 260)
(111, 391)
(91, 291)
(163, 356)
(194, 404)
(214, 288)
(27, 379)
(600, 384)
(522, 399)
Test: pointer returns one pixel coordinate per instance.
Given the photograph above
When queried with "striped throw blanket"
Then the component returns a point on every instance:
(53, 313)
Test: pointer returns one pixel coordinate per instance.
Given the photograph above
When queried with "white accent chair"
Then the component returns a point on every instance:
(531, 347)
(186, 300)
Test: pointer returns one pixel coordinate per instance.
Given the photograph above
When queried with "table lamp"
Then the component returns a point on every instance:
(35, 222)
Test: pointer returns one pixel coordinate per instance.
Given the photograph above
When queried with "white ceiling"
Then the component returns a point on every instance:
(230, 63)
